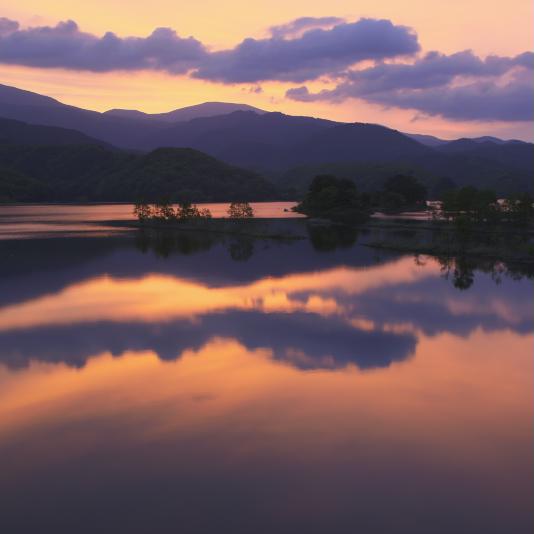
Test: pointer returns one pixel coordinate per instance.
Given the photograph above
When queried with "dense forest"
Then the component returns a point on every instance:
(95, 173)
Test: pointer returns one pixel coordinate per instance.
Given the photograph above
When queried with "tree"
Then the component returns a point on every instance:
(471, 204)
(392, 202)
(519, 209)
(205, 213)
(240, 210)
(336, 199)
(408, 187)
(163, 210)
(188, 211)
(142, 211)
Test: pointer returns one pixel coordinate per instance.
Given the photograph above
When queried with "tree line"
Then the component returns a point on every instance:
(338, 199)
(165, 211)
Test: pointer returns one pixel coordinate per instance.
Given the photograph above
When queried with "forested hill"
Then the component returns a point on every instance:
(14, 132)
(92, 172)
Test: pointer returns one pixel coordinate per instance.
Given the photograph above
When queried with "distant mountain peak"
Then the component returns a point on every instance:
(206, 109)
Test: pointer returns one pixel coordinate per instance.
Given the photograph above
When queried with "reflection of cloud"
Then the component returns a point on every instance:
(306, 340)
(160, 298)
(368, 317)
(132, 433)
(433, 306)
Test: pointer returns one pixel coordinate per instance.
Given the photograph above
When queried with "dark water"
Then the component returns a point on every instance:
(199, 384)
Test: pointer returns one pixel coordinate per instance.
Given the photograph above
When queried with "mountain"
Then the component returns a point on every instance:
(274, 141)
(17, 132)
(207, 109)
(33, 108)
(513, 154)
(357, 142)
(427, 140)
(278, 145)
(496, 140)
(243, 137)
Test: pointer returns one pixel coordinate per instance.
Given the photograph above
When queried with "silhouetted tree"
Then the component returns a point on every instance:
(472, 204)
(240, 210)
(392, 201)
(163, 210)
(142, 211)
(334, 198)
(519, 209)
(408, 187)
(188, 211)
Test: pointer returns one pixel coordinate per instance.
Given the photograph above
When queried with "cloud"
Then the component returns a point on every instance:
(65, 46)
(307, 56)
(8, 26)
(297, 26)
(316, 53)
(461, 86)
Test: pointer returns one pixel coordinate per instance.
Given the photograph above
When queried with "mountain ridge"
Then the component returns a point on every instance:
(273, 143)
(205, 109)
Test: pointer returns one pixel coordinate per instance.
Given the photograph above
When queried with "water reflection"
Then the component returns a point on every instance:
(212, 383)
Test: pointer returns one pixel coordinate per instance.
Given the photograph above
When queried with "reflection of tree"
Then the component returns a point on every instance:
(167, 242)
(461, 270)
(464, 276)
(331, 237)
(241, 249)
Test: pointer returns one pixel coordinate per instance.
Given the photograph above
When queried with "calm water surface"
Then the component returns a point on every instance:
(19, 221)
(155, 383)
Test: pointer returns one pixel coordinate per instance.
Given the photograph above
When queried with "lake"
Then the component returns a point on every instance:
(193, 383)
(18, 221)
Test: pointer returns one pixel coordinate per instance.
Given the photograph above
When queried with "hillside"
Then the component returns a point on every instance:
(431, 170)
(183, 173)
(95, 173)
(22, 133)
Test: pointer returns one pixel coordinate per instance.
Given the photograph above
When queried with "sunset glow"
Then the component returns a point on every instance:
(496, 29)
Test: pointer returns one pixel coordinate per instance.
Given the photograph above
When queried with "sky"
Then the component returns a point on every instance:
(447, 68)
